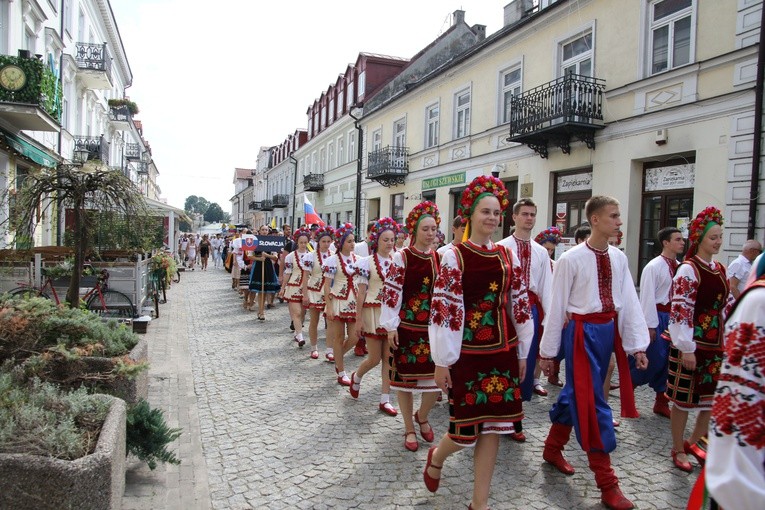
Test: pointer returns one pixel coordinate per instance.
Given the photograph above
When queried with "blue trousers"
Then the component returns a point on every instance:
(527, 385)
(657, 353)
(599, 345)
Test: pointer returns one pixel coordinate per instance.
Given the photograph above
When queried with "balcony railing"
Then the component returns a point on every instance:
(35, 105)
(142, 168)
(120, 116)
(132, 151)
(97, 147)
(313, 182)
(267, 205)
(95, 63)
(254, 206)
(554, 112)
(388, 166)
(281, 200)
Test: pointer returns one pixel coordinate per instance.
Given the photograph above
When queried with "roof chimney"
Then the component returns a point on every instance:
(459, 17)
(479, 31)
(516, 10)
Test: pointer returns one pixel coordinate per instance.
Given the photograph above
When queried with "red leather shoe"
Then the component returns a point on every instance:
(696, 450)
(314, 354)
(614, 499)
(430, 482)
(427, 436)
(539, 390)
(329, 357)
(354, 387)
(683, 466)
(519, 437)
(343, 381)
(412, 446)
(556, 459)
(661, 405)
(388, 409)
(358, 350)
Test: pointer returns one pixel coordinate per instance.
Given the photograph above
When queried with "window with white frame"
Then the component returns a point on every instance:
(510, 82)
(576, 55)
(323, 117)
(351, 145)
(376, 140)
(314, 162)
(331, 155)
(301, 169)
(670, 34)
(462, 114)
(322, 160)
(331, 110)
(432, 116)
(340, 99)
(399, 133)
(362, 83)
(340, 151)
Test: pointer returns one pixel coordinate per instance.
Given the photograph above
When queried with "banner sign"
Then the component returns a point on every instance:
(263, 243)
(576, 182)
(444, 180)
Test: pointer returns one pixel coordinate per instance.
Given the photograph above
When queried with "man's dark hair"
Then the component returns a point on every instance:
(665, 234)
(523, 202)
(457, 222)
(582, 233)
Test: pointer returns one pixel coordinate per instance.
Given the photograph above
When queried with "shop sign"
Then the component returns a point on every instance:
(670, 177)
(444, 180)
(575, 182)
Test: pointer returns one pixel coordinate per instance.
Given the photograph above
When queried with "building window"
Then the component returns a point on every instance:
(349, 99)
(670, 34)
(301, 169)
(510, 81)
(323, 117)
(397, 207)
(399, 133)
(462, 114)
(576, 55)
(362, 84)
(331, 154)
(322, 160)
(432, 114)
(376, 140)
(314, 160)
(340, 99)
(351, 145)
(340, 151)
(331, 110)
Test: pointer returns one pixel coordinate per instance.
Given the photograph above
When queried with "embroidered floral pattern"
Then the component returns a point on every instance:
(417, 307)
(480, 317)
(394, 282)
(494, 387)
(745, 347)
(449, 279)
(684, 291)
(418, 352)
(708, 327)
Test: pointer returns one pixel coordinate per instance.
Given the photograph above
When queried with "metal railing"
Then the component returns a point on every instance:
(388, 161)
(313, 182)
(97, 147)
(267, 205)
(281, 200)
(93, 56)
(120, 114)
(132, 151)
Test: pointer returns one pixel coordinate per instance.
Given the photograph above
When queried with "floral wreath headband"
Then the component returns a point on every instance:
(551, 235)
(700, 226)
(481, 186)
(325, 230)
(426, 208)
(341, 233)
(379, 227)
(301, 232)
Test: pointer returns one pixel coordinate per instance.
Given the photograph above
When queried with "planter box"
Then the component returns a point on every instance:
(96, 481)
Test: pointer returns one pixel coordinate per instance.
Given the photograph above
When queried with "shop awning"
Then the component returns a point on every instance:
(155, 205)
(28, 150)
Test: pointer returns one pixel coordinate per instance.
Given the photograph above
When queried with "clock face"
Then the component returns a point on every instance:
(12, 78)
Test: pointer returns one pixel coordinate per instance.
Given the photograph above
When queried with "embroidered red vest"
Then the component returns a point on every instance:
(421, 272)
(711, 297)
(486, 279)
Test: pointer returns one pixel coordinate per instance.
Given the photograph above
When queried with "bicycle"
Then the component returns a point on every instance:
(100, 299)
(157, 283)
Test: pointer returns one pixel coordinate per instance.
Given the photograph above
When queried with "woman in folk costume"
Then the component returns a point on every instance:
(480, 334)
(734, 473)
(405, 313)
(371, 272)
(549, 238)
(292, 282)
(341, 299)
(700, 301)
(313, 285)
(263, 278)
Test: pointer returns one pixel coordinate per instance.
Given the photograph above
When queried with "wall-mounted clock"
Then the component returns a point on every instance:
(12, 78)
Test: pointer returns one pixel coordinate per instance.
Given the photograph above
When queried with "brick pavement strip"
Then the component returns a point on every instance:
(267, 427)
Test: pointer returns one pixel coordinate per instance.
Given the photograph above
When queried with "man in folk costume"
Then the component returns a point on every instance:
(536, 272)
(655, 295)
(700, 301)
(594, 312)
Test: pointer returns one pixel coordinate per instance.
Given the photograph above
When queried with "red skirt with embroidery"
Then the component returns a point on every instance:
(485, 388)
(694, 389)
(410, 362)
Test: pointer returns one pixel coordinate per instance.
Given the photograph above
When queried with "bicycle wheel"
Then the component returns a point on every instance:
(154, 296)
(28, 292)
(116, 305)
(177, 276)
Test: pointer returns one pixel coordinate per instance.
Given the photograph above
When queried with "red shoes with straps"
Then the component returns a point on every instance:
(683, 466)
(430, 482)
(412, 446)
(427, 436)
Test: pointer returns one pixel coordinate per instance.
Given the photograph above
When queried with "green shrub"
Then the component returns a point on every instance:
(148, 435)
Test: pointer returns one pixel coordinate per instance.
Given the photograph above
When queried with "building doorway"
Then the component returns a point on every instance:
(571, 192)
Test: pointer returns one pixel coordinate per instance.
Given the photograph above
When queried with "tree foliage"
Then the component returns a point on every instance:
(195, 204)
(214, 213)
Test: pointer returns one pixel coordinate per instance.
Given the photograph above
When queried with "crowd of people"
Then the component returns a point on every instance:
(481, 321)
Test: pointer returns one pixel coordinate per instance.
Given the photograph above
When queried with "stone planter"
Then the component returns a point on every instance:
(96, 481)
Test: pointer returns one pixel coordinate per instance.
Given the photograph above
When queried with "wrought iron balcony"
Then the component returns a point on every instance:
(132, 151)
(388, 166)
(142, 168)
(121, 117)
(254, 206)
(267, 205)
(97, 147)
(33, 99)
(281, 200)
(313, 182)
(95, 65)
(571, 106)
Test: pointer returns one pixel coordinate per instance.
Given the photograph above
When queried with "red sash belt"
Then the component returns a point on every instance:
(589, 430)
(663, 308)
(534, 300)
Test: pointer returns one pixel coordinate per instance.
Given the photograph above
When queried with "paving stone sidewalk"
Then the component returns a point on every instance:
(267, 427)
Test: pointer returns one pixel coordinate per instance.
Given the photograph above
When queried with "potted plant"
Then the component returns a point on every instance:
(131, 106)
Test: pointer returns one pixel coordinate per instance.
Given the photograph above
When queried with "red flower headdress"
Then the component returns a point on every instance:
(422, 209)
(303, 231)
(379, 227)
(341, 233)
(322, 231)
(479, 186)
(552, 235)
(699, 227)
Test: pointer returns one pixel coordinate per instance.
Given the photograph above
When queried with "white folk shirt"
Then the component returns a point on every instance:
(445, 247)
(539, 276)
(735, 469)
(361, 249)
(740, 268)
(576, 289)
(656, 287)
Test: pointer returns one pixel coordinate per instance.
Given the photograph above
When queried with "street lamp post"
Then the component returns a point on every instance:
(360, 155)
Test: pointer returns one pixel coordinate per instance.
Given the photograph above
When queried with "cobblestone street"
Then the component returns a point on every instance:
(265, 426)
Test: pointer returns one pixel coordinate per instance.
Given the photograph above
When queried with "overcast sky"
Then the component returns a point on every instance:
(215, 81)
